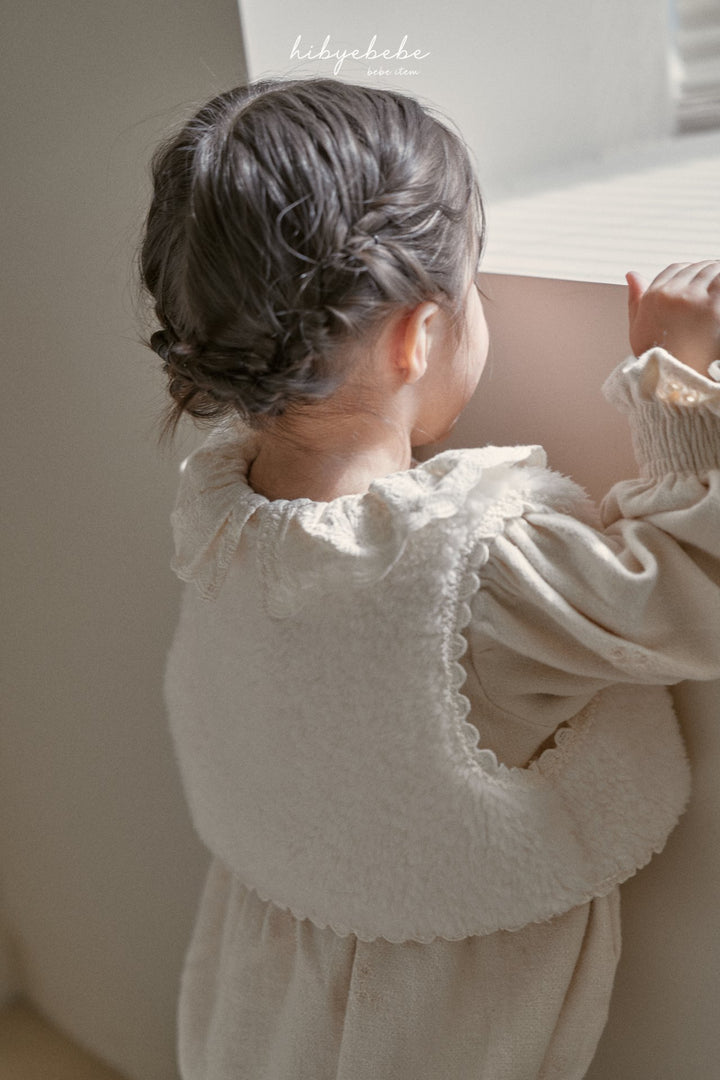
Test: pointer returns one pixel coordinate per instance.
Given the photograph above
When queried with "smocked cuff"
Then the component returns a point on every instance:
(674, 413)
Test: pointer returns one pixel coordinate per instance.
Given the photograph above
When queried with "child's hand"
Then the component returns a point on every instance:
(679, 311)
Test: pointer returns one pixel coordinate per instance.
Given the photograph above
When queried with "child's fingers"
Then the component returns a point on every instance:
(673, 273)
(682, 274)
(707, 273)
(636, 282)
(636, 287)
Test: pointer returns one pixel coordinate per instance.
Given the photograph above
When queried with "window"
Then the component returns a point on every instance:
(696, 63)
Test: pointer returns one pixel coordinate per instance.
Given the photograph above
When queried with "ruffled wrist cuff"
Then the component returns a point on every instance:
(674, 413)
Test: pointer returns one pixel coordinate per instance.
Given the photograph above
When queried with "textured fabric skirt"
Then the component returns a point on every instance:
(265, 996)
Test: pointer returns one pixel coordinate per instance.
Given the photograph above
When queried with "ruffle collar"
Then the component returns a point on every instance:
(308, 545)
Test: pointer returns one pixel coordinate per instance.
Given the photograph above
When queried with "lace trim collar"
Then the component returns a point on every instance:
(309, 545)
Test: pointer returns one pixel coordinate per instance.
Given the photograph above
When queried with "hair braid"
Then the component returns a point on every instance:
(289, 218)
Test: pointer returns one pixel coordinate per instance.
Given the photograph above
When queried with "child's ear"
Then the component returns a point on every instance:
(415, 342)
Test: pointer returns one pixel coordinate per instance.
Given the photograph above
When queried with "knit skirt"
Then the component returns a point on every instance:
(265, 996)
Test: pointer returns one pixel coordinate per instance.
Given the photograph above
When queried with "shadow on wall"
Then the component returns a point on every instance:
(100, 868)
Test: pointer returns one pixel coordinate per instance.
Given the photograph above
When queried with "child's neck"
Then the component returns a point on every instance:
(340, 460)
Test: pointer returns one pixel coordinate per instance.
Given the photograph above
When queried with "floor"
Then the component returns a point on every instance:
(30, 1049)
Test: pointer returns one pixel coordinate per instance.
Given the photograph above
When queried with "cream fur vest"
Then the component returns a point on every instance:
(315, 699)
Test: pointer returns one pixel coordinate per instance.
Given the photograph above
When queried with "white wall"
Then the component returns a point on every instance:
(99, 865)
(533, 86)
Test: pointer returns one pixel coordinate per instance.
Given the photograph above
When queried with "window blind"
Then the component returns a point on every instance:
(696, 63)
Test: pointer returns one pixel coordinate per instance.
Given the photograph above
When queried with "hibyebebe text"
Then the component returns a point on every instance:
(341, 55)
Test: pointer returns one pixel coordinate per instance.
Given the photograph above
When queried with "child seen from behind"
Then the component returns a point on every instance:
(419, 709)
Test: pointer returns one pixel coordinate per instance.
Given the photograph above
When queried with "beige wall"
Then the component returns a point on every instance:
(100, 869)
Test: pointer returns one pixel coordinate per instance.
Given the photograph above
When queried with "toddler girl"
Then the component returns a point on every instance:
(418, 708)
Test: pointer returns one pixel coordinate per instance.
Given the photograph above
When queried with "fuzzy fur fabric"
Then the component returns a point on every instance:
(315, 699)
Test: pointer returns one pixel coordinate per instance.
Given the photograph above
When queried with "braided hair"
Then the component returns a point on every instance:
(289, 218)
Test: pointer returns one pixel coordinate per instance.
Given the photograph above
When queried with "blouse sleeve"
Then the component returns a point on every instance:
(565, 608)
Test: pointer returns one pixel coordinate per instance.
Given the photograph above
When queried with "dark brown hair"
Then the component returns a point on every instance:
(288, 219)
